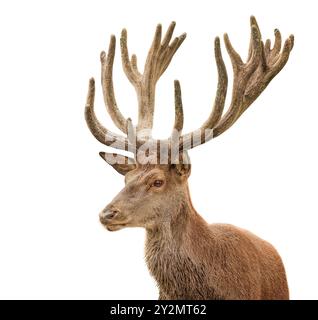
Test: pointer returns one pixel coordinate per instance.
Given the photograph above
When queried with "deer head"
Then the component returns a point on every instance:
(156, 178)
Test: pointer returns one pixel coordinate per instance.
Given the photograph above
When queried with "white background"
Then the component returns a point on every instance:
(260, 175)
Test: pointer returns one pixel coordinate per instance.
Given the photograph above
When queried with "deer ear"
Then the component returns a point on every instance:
(120, 163)
(183, 168)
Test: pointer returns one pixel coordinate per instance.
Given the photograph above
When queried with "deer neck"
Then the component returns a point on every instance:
(172, 245)
(176, 222)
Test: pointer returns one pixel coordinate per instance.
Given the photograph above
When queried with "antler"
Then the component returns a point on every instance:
(250, 80)
(158, 59)
(107, 85)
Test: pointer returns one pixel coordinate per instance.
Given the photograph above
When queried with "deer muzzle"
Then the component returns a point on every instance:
(107, 215)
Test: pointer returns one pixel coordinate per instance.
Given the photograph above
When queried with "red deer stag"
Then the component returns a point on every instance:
(188, 258)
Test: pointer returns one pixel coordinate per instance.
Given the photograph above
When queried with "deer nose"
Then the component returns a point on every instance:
(107, 214)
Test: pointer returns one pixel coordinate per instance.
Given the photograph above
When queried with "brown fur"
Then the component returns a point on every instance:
(188, 258)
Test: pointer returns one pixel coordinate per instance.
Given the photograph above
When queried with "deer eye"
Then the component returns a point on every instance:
(157, 183)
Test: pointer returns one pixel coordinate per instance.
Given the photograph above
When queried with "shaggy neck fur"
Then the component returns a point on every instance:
(172, 253)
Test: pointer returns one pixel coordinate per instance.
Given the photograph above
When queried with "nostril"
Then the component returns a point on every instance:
(111, 214)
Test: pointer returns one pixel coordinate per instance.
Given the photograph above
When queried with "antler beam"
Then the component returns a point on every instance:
(98, 130)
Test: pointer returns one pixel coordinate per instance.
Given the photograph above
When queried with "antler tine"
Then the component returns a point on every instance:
(253, 23)
(134, 65)
(178, 121)
(131, 135)
(150, 67)
(129, 70)
(278, 42)
(267, 47)
(97, 129)
(234, 56)
(171, 50)
(108, 88)
(219, 101)
(168, 36)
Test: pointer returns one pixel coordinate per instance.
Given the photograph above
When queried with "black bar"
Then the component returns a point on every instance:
(154, 309)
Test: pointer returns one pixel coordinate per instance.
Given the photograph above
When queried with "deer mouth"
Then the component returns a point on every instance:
(112, 219)
(115, 227)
